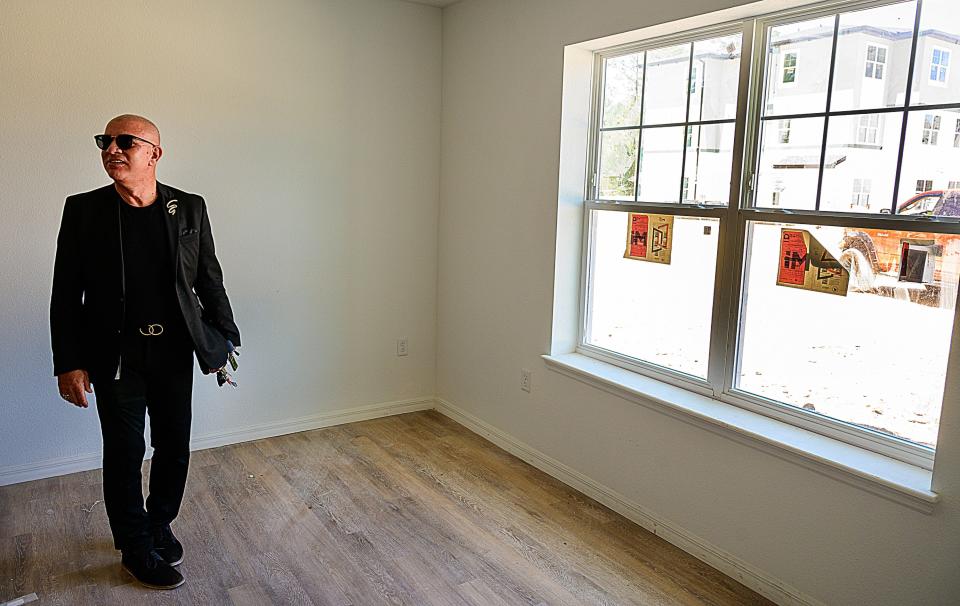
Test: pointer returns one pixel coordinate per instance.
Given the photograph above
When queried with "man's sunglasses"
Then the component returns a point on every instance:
(124, 142)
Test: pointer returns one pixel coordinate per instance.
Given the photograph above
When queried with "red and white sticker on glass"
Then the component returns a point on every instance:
(805, 263)
(649, 237)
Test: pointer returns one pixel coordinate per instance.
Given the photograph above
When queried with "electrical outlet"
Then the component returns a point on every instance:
(525, 380)
(402, 346)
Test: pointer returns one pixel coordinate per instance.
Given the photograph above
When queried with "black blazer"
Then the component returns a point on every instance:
(87, 303)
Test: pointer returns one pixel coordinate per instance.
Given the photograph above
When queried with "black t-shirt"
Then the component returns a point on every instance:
(147, 269)
(149, 280)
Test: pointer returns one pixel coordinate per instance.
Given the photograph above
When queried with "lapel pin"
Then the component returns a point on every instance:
(172, 206)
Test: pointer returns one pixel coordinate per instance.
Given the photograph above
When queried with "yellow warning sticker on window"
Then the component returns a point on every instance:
(806, 264)
(649, 237)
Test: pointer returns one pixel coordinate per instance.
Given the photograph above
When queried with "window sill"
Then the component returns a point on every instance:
(888, 478)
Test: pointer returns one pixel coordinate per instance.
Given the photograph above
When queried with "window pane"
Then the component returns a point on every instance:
(930, 159)
(716, 73)
(798, 67)
(862, 78)
(863, 147)
(788, 172)
(708, 164)
(655, 312)
(668, 71)
(618, 164)
(623, 90)
(661, 161)
(934, 79)
(876, 357)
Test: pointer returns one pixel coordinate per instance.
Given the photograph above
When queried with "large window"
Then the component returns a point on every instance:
(775, 241)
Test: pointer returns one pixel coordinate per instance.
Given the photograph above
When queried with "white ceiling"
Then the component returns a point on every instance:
(440, 3)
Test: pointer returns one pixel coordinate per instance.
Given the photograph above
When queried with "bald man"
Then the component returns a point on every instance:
(137, 293)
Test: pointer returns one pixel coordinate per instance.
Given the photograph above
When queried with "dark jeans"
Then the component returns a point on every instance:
(156, 377)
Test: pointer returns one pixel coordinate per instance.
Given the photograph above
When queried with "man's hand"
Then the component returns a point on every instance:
(72, 386)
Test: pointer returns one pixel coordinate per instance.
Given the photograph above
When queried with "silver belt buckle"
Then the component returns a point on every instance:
(153, 330)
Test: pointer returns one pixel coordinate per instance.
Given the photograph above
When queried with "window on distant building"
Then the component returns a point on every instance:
(789, 68)
(783, 131)
(868, 127)
(953, 185)
(819, 322)
(931, 129)
(956, 135)
(876, 61)
(939, 65)
(861, 193)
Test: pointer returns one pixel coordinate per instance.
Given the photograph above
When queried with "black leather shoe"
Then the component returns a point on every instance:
(167, 545)
(150, 569)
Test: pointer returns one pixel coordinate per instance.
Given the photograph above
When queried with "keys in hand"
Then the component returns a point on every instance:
(224, 377)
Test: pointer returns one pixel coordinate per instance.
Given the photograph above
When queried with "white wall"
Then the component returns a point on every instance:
(312, 129)
(502, 76)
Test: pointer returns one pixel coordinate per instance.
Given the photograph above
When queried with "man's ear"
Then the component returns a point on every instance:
(155, 156)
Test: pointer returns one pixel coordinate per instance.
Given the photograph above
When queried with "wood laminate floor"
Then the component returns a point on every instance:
(409, 509)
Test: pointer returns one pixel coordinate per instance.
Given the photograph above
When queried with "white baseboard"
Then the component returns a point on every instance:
(326, 419)
(745, 573)
(15, 474)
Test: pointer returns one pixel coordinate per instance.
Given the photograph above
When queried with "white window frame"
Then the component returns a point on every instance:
(939, 66)
(861, 193)
(783, 131)
(736, 216)
(924, 185)
(867, 125)
(931, 134)
(784, 68)
(876, 64)
(956, 134)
